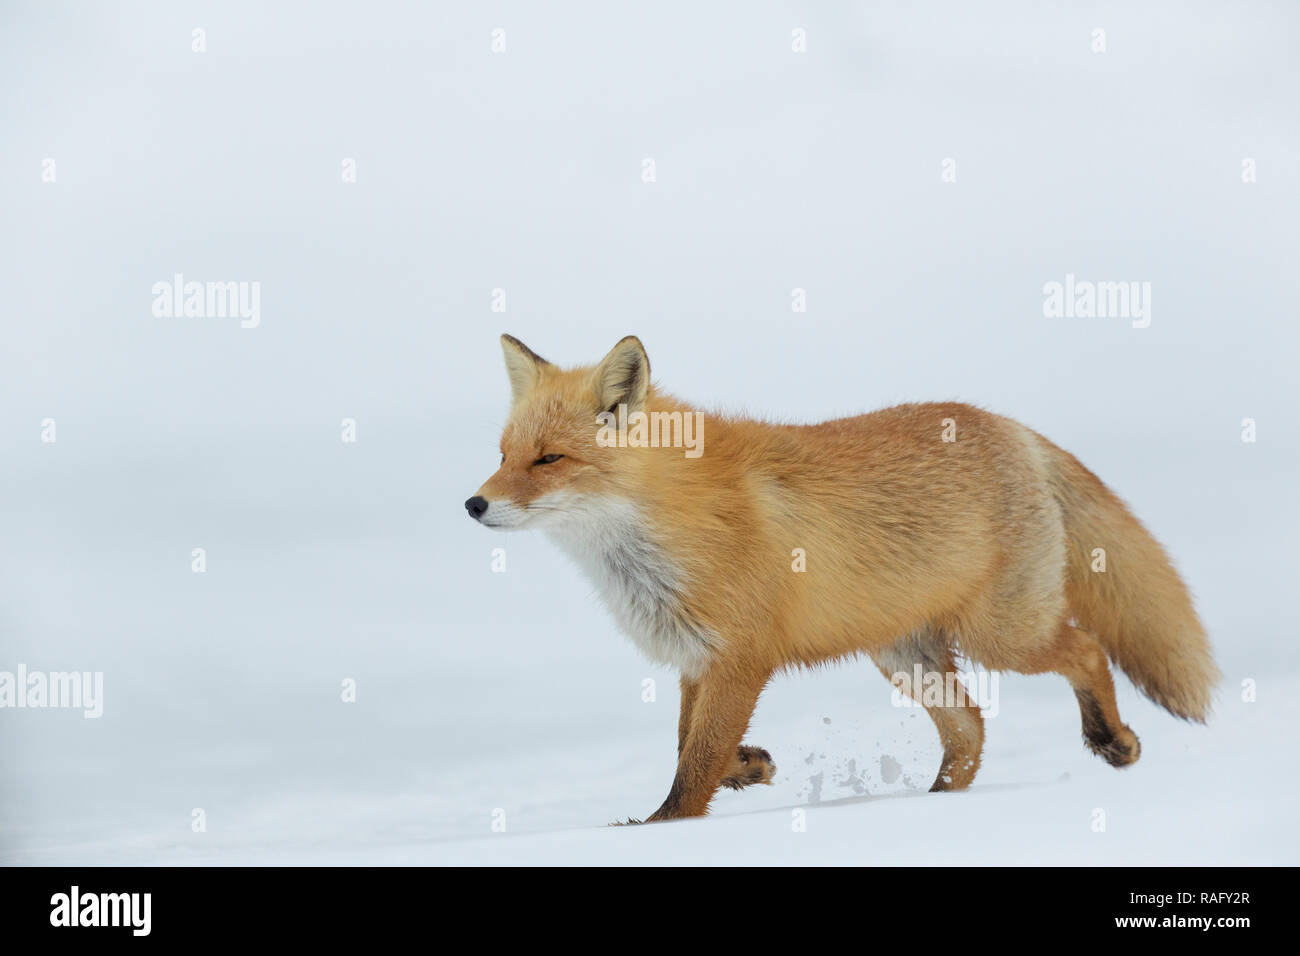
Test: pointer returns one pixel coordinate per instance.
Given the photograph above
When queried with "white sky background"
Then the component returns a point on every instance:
(523, 171)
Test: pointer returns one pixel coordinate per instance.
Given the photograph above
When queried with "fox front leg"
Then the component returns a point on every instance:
(751, 764)
(723, 701)
(689, 688)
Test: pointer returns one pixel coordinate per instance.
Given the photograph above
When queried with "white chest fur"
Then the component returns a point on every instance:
(609, 540)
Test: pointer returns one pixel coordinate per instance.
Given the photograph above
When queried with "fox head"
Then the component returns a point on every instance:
(552, 465)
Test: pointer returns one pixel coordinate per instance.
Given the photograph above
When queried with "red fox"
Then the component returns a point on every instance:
(918, 533)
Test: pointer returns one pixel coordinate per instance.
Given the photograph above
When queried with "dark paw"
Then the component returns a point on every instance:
(752, 765)
(1120, 750)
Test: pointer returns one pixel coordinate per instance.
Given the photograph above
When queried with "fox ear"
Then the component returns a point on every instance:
(623, 376)
(523, 365)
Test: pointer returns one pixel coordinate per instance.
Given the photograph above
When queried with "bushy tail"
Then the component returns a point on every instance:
(1138, 608)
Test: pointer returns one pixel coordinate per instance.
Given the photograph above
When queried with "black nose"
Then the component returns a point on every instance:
(476, 506)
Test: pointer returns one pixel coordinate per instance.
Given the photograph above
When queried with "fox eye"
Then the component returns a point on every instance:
(547, 459)
(503, 458)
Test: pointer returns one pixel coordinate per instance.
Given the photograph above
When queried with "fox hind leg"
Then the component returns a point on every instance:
(1079, 656)
(958, 720)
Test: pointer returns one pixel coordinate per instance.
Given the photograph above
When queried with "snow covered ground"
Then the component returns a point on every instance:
(487, 697)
